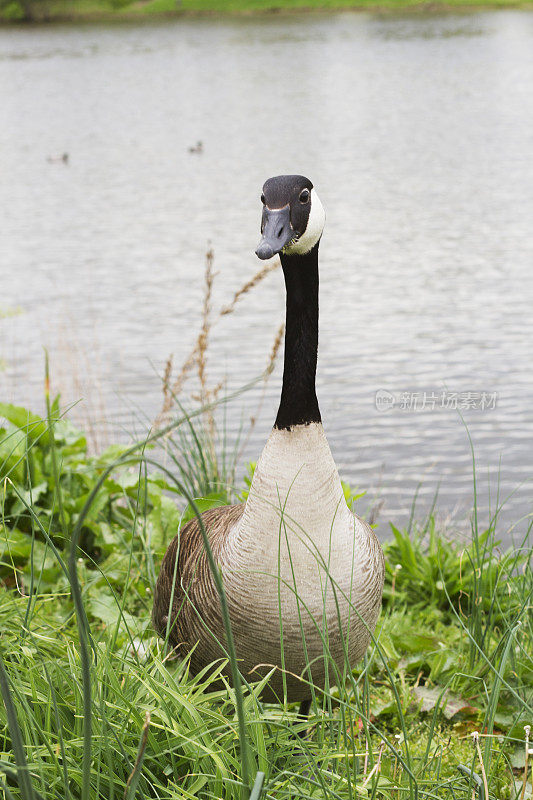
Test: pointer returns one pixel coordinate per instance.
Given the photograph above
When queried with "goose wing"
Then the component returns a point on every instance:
(185, 588)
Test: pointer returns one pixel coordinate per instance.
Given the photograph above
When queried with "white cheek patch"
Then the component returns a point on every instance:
(313, 231)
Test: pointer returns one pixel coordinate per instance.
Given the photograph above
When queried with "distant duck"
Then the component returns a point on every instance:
(198, 148)
(293, 552)
(61, 158)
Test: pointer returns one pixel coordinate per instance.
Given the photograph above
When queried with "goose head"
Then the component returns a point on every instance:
(293, 217)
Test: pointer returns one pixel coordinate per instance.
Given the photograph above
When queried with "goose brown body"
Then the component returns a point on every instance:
(196, 625)
(303, 575)
(186, 592)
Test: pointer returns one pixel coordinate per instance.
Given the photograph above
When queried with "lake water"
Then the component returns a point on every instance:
(417, 131)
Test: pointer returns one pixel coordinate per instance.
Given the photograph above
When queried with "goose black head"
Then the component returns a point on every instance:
(293, 217)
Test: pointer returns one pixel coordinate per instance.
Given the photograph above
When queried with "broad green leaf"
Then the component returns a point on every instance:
(34, 426)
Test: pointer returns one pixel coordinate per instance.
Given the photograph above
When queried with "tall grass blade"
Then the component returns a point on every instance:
(133, 780)
(81, 617)
(257, 788)
(23, 774)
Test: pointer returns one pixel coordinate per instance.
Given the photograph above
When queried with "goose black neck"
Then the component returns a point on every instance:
(299, 404)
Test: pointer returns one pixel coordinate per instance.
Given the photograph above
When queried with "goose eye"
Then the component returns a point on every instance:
(304, 196)
(263, 199)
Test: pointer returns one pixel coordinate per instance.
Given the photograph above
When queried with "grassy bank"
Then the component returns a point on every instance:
(94, 707)
(108, 10)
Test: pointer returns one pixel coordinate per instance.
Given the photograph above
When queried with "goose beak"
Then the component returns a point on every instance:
(277, 231)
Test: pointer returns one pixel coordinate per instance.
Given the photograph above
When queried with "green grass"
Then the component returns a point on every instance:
(107, 10)
(95, 708)
(240, 6)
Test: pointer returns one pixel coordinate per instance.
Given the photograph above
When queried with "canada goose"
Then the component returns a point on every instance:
(294, 551)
